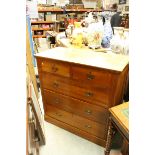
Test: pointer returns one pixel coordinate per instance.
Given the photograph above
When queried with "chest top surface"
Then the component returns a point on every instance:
(88, 57)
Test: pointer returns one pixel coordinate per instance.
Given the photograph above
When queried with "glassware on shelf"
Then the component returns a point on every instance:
(126, 42)
(69, 31)
(120, 41)
(117, 40)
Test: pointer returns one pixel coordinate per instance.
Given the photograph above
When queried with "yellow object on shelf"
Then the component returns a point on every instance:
(77, 24)
(77, 40)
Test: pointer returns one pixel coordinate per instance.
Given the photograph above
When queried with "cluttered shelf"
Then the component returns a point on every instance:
(43, 22)
(53, 19)
(39, 36)
(35, 29)
(43, 9)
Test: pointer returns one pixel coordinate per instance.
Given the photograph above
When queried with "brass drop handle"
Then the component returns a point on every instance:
(88, 94)
(31, 121)
(87, 111)
(54, 68)
(36, 140)
(58, 114)
(90, 76)
(56, 101)
(55, 84)
(88, 126)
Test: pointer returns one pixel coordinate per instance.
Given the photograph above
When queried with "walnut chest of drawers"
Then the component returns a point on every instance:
(79, 86)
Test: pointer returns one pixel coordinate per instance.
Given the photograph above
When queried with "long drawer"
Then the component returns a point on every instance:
(71, 88)
(77, 131)
(84, 109)
(76, 121)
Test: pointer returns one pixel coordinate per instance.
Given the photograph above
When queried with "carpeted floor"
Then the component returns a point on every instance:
(62, 142)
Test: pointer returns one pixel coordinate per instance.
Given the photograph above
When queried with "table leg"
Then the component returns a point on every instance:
(125, 147)
(109, 138)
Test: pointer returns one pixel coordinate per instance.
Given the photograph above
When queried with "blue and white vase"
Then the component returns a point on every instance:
(107, 35)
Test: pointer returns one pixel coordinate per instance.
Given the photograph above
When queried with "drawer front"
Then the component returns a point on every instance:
(91, 76)
(71, 88)
(92, 112)
(59, 114)
(89, 126)
(54, 67)
(81, 123)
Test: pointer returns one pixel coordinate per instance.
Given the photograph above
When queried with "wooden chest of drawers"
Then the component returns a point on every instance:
(78, 91)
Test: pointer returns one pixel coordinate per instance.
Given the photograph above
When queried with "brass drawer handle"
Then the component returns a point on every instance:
(90, 76)
(56, 101)
(54, 68)
(36, 140)
(58, 114)
(88, 94)
(55, 84)
(88, 126)
(87, 111)
(31, 121)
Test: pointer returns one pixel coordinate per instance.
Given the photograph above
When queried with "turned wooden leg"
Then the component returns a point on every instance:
(109, 138)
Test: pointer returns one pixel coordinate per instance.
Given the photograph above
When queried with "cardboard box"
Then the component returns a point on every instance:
(48, 17)
(61, 17)
(34, 26)
(54, 17)
(89, 4)
(80, 16)
(41, 16)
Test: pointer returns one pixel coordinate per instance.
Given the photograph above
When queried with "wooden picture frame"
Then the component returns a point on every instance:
(126, 8)
(122, 1)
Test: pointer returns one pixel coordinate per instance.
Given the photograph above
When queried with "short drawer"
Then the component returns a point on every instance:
(73, 88)
(81, 123)
(54, 67)
(91, 76)
(90, 111)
